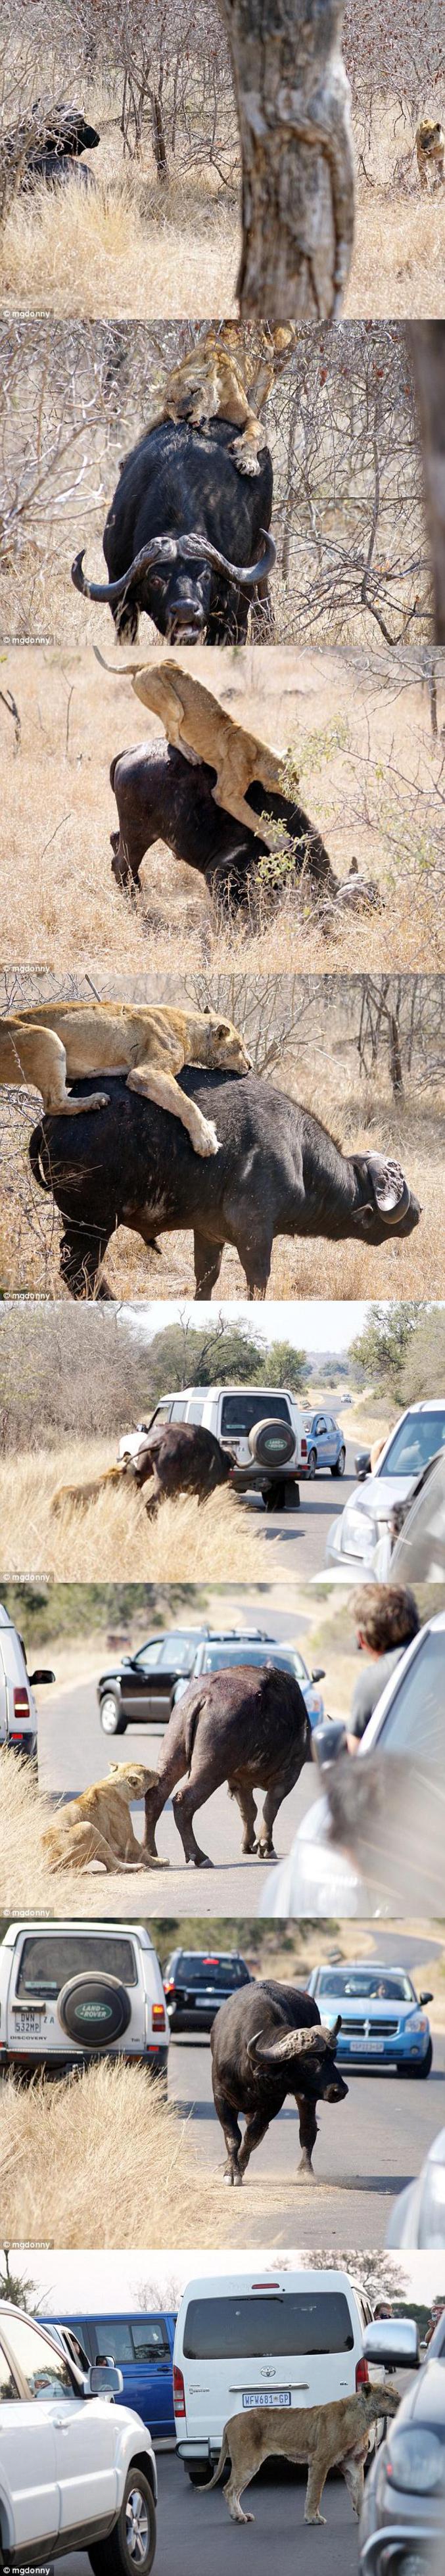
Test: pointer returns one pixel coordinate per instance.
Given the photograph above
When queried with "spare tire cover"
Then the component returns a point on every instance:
(272, 1444)
(94, 2009)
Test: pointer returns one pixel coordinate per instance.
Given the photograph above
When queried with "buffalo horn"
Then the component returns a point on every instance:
(166, 550)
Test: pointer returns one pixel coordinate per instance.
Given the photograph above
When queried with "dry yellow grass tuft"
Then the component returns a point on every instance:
(112, 1538)
(102, 2159)
(128, 249)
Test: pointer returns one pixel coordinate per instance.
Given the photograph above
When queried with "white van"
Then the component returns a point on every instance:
(70, 1991)
(18, 1713)
(262, 1427)
(262, 2339)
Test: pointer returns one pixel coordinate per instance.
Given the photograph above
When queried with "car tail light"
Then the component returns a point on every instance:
(21, 1704)
(169, 1986)
(178, 2391)
(157, 2017)
(362, 2373)
(304, 1448)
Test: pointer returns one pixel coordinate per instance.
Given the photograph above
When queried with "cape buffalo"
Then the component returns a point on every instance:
(244, 1725)
(277, 1171)
(160, 797)
(268, 2041)
(186, 537)
(180, 1457)
(50, 146)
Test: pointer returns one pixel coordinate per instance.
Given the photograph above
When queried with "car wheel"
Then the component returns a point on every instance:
(340, 1464)
(312, 1463)
(110, 1715)
(423, 2065)
(132, 2544)
(199, 2477)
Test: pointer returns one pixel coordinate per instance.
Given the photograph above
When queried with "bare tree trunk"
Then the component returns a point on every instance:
(428, 350)
(298, 173)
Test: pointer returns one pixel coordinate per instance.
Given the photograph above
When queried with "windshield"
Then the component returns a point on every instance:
(216, 1657)
(415, 1722)
(287, 2321)
(194, 1971)
(241, 1412)
(47, 1962)
(415, 1441)
(374, 1985)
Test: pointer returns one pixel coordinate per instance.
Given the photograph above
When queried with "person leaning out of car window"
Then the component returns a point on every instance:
(386, 1620)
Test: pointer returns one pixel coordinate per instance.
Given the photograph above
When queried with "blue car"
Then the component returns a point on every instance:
(142, 2347)
(326, 1445)
(383, 2020)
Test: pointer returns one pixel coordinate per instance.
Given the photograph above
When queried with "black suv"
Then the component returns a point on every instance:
(196, 1982)
(140, 1689)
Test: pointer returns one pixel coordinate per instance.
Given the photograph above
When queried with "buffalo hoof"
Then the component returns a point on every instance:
(200, 1860)
(305, 2171)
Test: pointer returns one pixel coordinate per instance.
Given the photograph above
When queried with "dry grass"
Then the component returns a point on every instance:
(131, 249)
(370, 778)
(112, 1538)
(102, 2159)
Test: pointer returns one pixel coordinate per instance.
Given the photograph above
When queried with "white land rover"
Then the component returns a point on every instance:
(73, 1991)
(262, 1427)
(76, 2471)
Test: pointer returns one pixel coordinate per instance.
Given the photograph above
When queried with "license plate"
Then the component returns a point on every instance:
(363, 2045)
(267, 2397)
(29, 2026)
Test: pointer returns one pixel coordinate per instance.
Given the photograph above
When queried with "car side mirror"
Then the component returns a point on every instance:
(395, 2341)
(362, 1464)
(328, 1740)
(319, 1675)
(40, 1676)
(426, 1999)
(104, 2380)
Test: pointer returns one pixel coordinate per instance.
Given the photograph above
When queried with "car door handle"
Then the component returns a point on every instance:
(61, 2423)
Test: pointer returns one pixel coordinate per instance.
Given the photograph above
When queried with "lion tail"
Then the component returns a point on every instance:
(220, 2465)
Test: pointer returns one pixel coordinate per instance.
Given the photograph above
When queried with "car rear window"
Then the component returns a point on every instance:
(241, 1412)
(414, 1443)
(216, 1657)
(292, 2321)
(46, 1964)
(205, 1971)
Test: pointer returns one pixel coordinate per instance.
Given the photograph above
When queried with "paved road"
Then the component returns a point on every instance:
(367, 2148)
(294, 1542)
(73, 1751)
(194, 2531)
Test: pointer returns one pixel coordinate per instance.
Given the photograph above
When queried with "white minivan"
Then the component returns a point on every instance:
(262, 2338)
(18, 1713)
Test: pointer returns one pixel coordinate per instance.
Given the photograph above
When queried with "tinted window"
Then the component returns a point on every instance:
(216, 1656)
(113, 2337)
(194, 1971)
(373, 1984)
(45, 2370)
(8, 2385)
(47, 1963)
(292, 2322)
(416, 1721)
(177, 1654)
(149, 2338)
(414, 1443)
(241, 1412)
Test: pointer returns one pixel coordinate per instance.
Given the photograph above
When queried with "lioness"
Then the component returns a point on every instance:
(151, 1045)
(197, 725)
(97, 1826)
(328, 2437)
(210, 384)
(430, 153)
